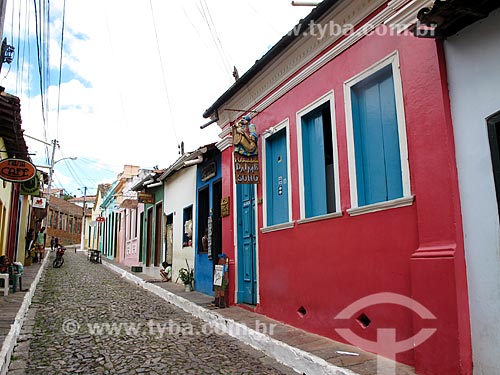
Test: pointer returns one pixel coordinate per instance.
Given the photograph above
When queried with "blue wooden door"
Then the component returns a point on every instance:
(313, 156)
(247, 278)
(277, 179)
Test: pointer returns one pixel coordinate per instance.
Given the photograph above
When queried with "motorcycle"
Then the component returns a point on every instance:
(59, 261)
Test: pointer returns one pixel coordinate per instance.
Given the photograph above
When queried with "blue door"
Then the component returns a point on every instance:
(247, 280)
(277, 179)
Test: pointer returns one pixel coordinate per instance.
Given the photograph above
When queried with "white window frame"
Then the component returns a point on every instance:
(285, 124)
(407, 199)
(329, 96)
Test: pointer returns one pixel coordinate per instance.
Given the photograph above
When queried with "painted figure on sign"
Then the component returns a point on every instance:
(245, 137)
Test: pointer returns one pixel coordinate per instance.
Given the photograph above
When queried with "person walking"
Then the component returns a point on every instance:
(40, 243)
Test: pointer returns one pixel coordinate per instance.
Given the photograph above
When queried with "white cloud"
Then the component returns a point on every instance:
(115, 108)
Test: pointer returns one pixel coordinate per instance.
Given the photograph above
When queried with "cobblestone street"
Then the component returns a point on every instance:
(85, 319)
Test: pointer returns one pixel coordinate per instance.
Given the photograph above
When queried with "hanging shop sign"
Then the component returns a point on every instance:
(100, 219)
(145, 198)
(31, 187)
(246, 158)
(39, 202)
(16, 170)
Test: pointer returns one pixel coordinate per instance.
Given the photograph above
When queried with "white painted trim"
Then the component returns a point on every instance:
(393, 60)
(395, 203)
(224, 143)
(285, 124)
(274, 228)
(257, 268)
(329, 96)
(320, 217)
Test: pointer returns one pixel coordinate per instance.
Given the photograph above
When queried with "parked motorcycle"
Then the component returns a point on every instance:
(59, 261)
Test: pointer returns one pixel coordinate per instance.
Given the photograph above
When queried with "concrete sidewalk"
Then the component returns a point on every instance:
(13, 309)
(305, 352)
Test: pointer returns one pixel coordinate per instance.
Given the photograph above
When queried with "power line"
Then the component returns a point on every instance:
(213, 33)
(40, 69)
(163, 74)
(60, 68)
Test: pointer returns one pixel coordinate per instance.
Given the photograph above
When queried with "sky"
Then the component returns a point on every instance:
(134, 78)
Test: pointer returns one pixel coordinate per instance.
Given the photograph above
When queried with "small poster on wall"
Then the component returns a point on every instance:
(218, 274)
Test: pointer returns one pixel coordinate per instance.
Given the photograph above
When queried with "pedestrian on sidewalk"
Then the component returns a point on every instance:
(40, 243)
(52, 243)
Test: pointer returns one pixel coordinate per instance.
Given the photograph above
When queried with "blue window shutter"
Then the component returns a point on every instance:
(376, 140)
(314, 164)
(277, 178)
(391, 139)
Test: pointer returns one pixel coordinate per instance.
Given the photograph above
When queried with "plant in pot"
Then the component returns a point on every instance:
(187, 277)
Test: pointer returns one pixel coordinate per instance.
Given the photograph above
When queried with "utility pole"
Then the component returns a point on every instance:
(51, 171)
(83, 218)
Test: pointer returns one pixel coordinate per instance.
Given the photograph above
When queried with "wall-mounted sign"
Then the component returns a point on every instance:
(39, 202)
(100, 219)
(145, 198)
(218, 274)
(210, 231)
(224, 207)
(208, 171)
(246, 159)
(31, 187)
(246, 169)
(16, 170)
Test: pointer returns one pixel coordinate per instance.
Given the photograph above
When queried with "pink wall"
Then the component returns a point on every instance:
(416, 251)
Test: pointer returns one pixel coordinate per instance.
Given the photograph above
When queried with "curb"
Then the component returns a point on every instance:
(15, 328)
(297, 359)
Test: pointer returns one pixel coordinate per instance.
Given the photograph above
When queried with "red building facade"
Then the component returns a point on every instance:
(357, 224)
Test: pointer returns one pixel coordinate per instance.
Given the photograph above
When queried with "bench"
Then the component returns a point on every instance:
(94, 256)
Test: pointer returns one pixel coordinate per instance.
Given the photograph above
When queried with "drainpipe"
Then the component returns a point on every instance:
(198, 160)
(216, 118)
(305, 3)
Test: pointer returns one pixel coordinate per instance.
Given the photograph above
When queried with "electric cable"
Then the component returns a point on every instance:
(163, 75)
(60, 68)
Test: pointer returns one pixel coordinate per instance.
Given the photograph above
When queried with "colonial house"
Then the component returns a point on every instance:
(192, 205)
(472, 57)
(150, 221)
(131, 210)
(353, 227)
(64, 221)
(96, 229)
(15, 206)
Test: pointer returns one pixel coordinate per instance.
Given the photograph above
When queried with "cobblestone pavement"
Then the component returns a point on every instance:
(85, 319)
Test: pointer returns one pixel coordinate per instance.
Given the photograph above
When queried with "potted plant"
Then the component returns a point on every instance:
(187, 277)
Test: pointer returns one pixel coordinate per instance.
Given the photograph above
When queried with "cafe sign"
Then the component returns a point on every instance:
(246, 169)
(16, 170)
